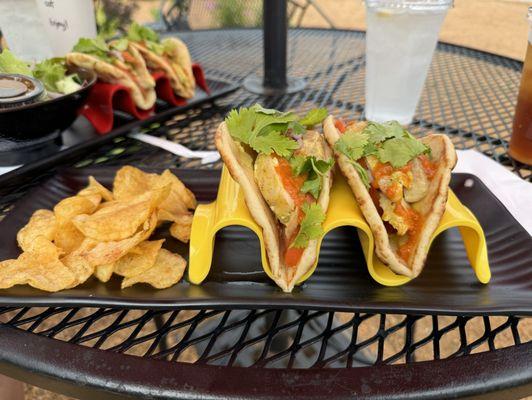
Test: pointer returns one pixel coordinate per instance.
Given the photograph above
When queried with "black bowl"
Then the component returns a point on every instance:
(43, 118)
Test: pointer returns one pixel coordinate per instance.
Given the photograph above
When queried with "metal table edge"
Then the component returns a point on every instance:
(34, 359)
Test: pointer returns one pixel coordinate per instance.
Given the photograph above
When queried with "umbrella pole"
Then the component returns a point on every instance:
(275, 30)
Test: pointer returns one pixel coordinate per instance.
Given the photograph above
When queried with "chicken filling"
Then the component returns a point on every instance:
(397, 170)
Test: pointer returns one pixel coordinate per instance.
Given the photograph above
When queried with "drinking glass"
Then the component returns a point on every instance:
(521, 141)
(400, 41)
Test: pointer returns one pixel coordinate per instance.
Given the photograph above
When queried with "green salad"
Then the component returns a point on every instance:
(51, 72)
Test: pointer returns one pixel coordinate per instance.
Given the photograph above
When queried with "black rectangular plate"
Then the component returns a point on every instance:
(341, 281)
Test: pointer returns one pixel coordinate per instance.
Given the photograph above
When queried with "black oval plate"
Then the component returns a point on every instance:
(341, 281)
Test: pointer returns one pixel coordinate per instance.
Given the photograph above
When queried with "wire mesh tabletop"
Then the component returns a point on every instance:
(469, 95)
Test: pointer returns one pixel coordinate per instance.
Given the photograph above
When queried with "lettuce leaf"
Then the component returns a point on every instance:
(141, 33)
(10, 64)
(95, 47)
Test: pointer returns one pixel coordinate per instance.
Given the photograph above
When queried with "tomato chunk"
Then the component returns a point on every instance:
(340, 125)
(292, 256)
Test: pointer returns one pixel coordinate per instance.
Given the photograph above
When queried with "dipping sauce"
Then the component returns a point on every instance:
(18, 90)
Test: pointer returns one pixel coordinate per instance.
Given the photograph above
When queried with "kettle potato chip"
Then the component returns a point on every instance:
(104, 272)
(167, 271)
(141, 258)
(96, 187)
(41, 223)
(98, 232)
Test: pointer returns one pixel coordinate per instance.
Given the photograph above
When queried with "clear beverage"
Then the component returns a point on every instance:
(400, 42)
(521, 141)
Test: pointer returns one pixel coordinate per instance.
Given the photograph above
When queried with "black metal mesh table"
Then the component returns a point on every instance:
(469, 95)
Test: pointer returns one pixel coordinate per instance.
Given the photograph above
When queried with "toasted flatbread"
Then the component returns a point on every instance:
(177, 65)
(432, 206)
(139, 81)
(240, 166)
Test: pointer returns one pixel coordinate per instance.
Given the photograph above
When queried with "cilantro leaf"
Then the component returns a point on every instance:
(380, 132)
(314, 168)
(299, 165)
(270, 111)
(312, 186)
(310, 225)
(399, 151)
(314, 117)
(262, 131)
(273, 142)
(95, 47)
(352, 144)
(141, 33)
(297, 128)
(10, 64)
(362, 173)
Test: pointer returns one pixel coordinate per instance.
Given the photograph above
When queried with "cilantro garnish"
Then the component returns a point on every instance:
(352, 144)
(314, 169)
(314, 117)
(362, 173)
(262, 129)
(95, 47)
(389, 142)
(310, 226)
(380, 132)
(266, 130)
(399, 151)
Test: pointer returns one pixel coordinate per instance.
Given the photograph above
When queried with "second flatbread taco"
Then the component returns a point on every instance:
(400, 184)
(169, 55)
(117, 63)
(284, 170)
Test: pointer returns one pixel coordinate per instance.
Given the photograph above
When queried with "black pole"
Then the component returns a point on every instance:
(275, 38)
(274, 81)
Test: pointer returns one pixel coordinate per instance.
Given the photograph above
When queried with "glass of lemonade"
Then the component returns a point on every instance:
(400, 41)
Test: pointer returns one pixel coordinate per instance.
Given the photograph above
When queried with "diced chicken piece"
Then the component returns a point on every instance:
(272, 189)
(391, 189)
(313, 145)
(291, 227)
(388, 214)
(420, 183)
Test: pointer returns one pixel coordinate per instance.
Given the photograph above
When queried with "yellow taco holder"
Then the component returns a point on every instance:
(230, 209)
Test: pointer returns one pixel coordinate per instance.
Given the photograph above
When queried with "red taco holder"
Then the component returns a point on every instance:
(105, 98)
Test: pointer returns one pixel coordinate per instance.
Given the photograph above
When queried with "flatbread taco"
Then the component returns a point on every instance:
(400, 184)
(118, 62)
(169, 55)
(284, 169)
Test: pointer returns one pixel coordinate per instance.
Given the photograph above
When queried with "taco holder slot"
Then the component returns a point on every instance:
(230, 208)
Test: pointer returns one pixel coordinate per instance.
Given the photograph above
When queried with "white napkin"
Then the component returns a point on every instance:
(176, 148)
(512, 191)
(5, 170)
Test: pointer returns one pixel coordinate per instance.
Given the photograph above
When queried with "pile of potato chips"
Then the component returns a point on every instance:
(102, 232)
